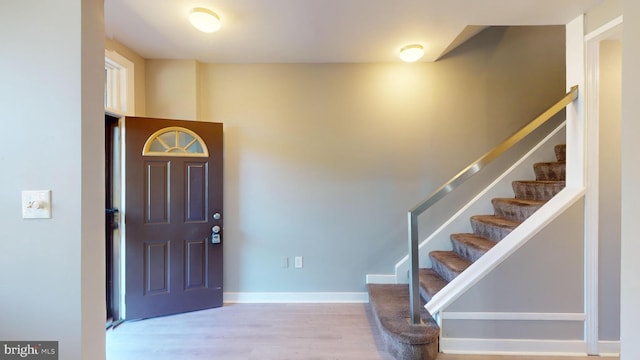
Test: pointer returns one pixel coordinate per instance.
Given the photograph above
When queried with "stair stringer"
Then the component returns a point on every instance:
(504, 248)
(481, 203)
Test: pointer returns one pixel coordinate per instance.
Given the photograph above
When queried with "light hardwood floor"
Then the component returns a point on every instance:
(262, 332)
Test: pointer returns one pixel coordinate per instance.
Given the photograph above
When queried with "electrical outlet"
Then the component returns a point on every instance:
(298, 262)
(284, 262)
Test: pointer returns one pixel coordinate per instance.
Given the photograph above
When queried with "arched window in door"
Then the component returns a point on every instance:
(175, 141)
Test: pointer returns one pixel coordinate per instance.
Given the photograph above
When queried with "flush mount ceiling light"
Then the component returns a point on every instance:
(411, 53)
(204, 20)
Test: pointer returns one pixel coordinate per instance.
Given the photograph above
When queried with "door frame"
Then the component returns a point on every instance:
(118, 309)
(592, 42)
(119, 101)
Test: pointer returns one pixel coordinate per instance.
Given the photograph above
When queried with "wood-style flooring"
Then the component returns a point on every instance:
(262, 332)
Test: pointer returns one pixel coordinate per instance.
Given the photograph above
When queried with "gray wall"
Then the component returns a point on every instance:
(56, 248)
(630, 297)
(51, 96)
(557, 286)
(323, 160)
(543, 276)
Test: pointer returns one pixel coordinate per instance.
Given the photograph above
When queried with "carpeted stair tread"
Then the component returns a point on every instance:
(537, 190)
(390, 303)
(550, 170)
(390, 306)
(492, 227)
(471, 246)
(515, 209)
(448, 264)
(561, 152)
(430, 283)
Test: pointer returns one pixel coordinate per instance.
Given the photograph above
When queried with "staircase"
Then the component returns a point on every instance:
(406, 341)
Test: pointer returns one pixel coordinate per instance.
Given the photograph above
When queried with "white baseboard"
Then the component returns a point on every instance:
(513, 347)
(381, 279)
(512, 316)
(296, 297)
(609, 348)
(525, 347)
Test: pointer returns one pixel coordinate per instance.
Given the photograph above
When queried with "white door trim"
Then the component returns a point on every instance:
(592, 154)
(119, 84)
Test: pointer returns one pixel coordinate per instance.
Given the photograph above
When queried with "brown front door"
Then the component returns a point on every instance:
(173, 216)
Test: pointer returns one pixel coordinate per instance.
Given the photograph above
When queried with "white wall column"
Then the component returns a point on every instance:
(630, 289)
(52, 270)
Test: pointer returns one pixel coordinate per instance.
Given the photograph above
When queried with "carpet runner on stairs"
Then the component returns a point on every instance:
(529, 196)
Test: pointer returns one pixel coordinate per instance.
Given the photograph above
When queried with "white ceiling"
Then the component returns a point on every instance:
(319, 31)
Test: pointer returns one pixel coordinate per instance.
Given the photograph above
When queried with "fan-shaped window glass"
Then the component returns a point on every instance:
(175, 141)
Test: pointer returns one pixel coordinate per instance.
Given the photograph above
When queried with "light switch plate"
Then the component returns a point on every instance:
(36, 204)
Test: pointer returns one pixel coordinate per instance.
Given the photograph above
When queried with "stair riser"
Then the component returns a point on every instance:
(492, 232)
(490, 229)
(467, 252)
(442, 270)
(550, 171)
(426, 297)
(515, 212)
(533, 191)
(561, 152)
(430, 283)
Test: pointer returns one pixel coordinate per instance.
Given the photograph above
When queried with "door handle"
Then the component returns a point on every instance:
(215, 234)
(111, 217)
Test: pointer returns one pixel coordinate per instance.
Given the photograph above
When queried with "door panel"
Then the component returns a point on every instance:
(196, 203)
(156, 190)
(196, 268)
(157, 268)
(172, 266)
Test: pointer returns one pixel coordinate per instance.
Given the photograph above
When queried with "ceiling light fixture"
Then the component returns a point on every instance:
(411, 53)
(204, 20)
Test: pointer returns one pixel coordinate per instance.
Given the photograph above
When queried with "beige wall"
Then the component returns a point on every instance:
(609, 188)
(172, 89)
(323, 160)
(630, 297)
(602, 14)
(139, 73)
